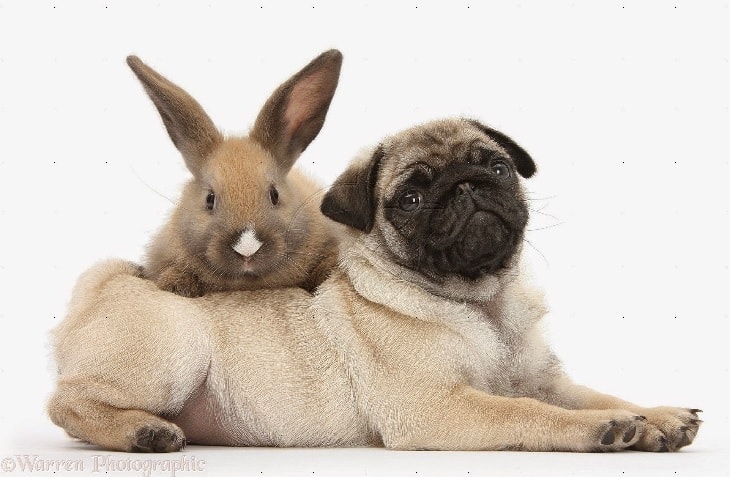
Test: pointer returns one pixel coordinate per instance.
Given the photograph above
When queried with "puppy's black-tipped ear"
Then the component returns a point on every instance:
(351, 200)
(524, 163)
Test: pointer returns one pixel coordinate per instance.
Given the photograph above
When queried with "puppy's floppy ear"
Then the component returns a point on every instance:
(351, 200)
(188, 125)
(524, 163)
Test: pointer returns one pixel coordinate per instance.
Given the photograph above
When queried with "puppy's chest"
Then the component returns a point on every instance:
(492, 357)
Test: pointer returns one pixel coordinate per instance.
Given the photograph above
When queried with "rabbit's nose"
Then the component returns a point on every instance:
(248, 244)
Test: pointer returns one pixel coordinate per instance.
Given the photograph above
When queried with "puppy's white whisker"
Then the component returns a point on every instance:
(544, 214)
(540, 208)
(537, 251)
(545, 227)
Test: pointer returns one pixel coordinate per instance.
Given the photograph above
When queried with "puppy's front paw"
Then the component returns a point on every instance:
(158, 437)
(668, 429)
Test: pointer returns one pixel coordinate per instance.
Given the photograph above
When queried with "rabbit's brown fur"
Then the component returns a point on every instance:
(245, 220)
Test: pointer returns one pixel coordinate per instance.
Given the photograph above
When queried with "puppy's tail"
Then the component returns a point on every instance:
(91, 282)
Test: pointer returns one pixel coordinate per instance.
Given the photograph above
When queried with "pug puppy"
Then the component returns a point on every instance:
(425, 337)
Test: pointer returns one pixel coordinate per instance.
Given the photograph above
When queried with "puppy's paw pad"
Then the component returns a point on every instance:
(158, 438)
(630, 434)
(618, 434)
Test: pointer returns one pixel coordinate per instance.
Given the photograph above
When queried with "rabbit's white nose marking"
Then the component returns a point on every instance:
(247, 245)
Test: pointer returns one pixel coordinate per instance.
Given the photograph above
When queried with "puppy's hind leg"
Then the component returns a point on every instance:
(123, 407)
(127, 364)
(126, 430)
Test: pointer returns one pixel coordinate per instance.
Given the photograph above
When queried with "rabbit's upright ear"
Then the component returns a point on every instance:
(294, 114)
(188, 125)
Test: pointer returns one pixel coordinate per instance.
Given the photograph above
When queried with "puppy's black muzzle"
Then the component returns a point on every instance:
(477, 224)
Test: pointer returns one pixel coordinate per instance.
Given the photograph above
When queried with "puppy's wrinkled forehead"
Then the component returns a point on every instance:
(437, 145)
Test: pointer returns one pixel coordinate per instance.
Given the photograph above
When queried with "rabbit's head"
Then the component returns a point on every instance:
(245, 219)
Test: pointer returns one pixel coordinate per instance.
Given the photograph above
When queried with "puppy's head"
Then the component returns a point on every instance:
(442, 199)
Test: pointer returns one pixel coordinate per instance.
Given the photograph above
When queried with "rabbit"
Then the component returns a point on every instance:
(246, 220)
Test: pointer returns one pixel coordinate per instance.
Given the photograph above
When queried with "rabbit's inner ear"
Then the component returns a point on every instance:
(306, 111)
(295, 113)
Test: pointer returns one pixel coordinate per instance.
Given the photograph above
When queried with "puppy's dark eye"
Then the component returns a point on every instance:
(410, 201)
(210, 200)
(274, 195)
(501, 169)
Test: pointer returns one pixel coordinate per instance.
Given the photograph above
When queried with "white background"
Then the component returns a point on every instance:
(624, 106)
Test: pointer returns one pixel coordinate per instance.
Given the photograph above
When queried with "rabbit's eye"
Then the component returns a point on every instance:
(210, 200)
(274, 195)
